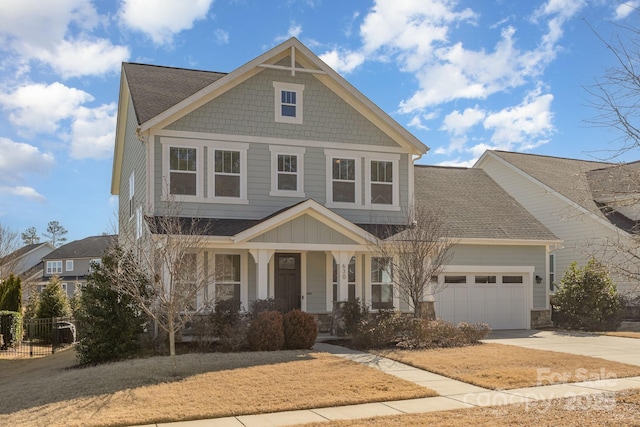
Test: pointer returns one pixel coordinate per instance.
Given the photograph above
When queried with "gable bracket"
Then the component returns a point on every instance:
(292, 67)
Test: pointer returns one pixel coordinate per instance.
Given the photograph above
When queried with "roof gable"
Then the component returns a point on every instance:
(89, 247)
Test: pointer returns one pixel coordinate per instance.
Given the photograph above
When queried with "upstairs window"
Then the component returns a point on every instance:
(54, 267)
(288, 102)
(381, 182)
(69, 265)
(287, 167)
(343, 176)
(227, 173)
(183, 171)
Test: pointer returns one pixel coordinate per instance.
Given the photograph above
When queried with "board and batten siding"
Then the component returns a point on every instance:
(133, 159)
(486, 256)
(304, 229)
(582, 234)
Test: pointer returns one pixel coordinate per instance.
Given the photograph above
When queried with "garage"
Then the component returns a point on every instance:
(499, 298)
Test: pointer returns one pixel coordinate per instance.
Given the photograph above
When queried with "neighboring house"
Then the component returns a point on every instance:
(72, 262)
(24, 259)
(592, 206)
(292, 169)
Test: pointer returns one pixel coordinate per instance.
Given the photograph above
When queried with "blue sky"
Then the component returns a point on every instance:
(463, 76)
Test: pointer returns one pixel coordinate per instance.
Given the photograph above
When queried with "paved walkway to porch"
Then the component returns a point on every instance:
(453, 395)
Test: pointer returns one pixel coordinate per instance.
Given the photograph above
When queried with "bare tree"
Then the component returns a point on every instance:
(169, 263)
(416, 252)
(30, 236)
(8, 245)
(55, 233)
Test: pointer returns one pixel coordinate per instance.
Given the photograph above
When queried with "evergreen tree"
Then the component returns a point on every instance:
(112, 323)
(53, 301)
(30, 236)
(11, 294)
(55, 233)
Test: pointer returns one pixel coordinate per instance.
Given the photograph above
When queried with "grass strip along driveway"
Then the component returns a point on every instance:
(498, 366)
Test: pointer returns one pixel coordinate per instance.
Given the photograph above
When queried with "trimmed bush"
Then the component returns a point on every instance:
(354, 314)
(474, 332)
(380, 331)
(587, 299)
(234, 337)
(53, 301)
(266, 332)
(300, 330)
(258, 306)
(11, 294)
(10, 328)
(227, 313)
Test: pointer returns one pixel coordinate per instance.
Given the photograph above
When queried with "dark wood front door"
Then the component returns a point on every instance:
(287, 281)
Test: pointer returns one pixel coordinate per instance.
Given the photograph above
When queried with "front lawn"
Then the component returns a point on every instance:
(498, 366)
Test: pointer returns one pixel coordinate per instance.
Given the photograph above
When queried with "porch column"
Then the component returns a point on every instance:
(262, 257)
(342, 260)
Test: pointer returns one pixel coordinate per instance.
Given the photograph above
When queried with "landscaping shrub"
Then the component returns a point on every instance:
(227, 313)
(258, 306)
(53, 301)
(10, 328)
(300, 330)
(587, 299)
(233, 338)
(11, 294)
(354, 315)
(266, 332)
(474, 332)
(380, 331)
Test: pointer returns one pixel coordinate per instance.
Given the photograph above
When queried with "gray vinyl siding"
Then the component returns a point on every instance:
(316, 282)
(507, 256)
(304, 229)
(248, 109)
(262, 204)
(133, 159)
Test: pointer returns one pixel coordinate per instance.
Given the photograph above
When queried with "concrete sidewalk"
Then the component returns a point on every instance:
(453, 394)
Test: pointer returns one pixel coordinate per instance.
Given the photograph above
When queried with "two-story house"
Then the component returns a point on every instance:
(292, 168)
(591, 205)
(72, 262)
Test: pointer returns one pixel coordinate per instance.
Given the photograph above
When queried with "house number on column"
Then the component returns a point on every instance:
(344, 271)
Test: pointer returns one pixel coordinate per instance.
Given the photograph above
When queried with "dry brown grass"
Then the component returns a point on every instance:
(621, 409)
(624, 334)
(500, 366)
(209, 385)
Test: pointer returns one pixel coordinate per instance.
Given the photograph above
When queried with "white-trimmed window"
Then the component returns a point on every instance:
(132, 189)
(93, 263)
(288, 102)
(343, 179)
(54, 267)
(382, 187)
(183, 166)
(68, 265)
(228, 172)
(139, 223)
(227, 277)
(287, 171)
(351, 279)
(552, 272)
(381, 283)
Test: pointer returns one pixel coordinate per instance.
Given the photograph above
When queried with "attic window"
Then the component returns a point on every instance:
(288, 102)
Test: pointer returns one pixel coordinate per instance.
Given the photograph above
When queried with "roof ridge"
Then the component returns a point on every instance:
(554, 157)
(442, 167)
(174, 67)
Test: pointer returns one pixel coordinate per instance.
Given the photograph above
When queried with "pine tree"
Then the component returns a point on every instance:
(30, 236)
(55, 233)
(11, 294)
(53, 301)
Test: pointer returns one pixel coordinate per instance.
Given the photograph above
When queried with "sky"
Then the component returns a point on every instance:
(462, 76)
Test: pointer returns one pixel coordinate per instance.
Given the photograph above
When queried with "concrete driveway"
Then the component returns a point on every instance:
(625, 350)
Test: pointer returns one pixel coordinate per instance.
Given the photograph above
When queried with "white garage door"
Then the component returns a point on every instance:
(497, 299)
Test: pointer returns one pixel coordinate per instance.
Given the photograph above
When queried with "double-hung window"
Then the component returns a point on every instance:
(552, 272)
(381, 283)
(382, 187)
(227, 277)
(54, 267)
(288, 102)
(227, 173)
(68, 265)
(287, 171)
(343, 178)
(183, 165)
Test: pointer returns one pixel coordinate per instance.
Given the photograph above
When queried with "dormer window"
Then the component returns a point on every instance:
(288, 102)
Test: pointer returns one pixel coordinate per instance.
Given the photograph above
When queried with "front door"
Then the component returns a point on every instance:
(287, 281)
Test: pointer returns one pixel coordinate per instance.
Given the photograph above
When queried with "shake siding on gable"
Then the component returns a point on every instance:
(507, 256)
(248, 110)
(133, 158)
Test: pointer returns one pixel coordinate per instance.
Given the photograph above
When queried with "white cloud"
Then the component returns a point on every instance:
(39, 107)
(19, 160)
(160, 20)
(343, 62)
(526, 124)
(625, 9)
(222, 37)
(93, 132)
(22, 191)
(459, 123)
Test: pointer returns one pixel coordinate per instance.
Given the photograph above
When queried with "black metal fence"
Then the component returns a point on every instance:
(41, 337)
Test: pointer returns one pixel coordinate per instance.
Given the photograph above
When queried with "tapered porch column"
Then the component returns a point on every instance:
(262, 257)
(342, 259)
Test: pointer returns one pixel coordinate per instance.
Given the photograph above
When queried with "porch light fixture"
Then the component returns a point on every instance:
(538, 279)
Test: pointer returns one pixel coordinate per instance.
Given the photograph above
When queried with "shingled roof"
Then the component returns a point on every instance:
(154, 89)
(474, 206)
(89, 247)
